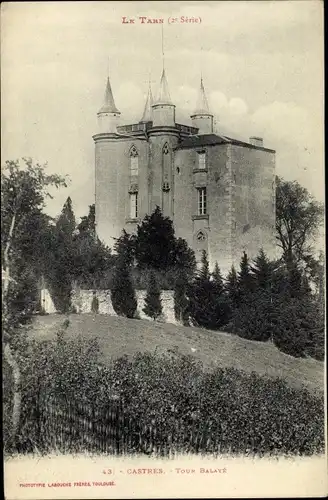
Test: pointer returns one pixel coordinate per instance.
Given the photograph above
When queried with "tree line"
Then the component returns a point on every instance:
(281, 301)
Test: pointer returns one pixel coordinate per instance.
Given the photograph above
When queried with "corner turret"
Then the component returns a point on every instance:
(147, 114)
(202, 118)
(108, 115)
(163, 109)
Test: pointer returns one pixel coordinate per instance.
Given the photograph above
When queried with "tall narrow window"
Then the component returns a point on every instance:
(202, 160)
(201, 201)
(134, 205)
(133, 161)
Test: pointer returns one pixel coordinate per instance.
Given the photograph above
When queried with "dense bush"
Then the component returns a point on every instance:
(153, 403)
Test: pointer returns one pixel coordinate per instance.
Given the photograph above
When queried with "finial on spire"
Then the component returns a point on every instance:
(163, 56)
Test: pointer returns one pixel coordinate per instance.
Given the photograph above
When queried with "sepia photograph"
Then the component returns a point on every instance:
(163, 249)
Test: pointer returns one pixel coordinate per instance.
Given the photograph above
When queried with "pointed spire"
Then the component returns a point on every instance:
(109, 104)
(163, 93)
(147, 114)
(202, 107)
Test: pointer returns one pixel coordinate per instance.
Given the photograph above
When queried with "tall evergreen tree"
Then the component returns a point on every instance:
(232, 287)
(88, 223)
(218, 280)
(180, 297)
(122, 293)
(155, 241)
(125, 247)
(262, 270)
(153, 303)
(66, 221)
(207, 307)
(60, 273)
(245, 280)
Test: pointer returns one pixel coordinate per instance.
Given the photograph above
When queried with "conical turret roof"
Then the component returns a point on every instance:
(109, 104)
(163, 93)
(202, 107)
(147, 114)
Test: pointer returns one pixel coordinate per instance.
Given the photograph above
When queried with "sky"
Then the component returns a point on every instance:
(261, 62)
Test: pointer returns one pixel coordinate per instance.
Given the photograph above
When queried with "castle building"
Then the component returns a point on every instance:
(219, 191)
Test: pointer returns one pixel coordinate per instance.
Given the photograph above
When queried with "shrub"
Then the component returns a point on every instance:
(159, 404)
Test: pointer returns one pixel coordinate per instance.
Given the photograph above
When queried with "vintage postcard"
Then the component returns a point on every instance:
(163, 258)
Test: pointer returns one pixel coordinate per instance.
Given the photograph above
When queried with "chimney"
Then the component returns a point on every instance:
(256, 141)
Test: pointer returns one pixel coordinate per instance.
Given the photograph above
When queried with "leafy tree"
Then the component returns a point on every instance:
(123, 294)
(153, 304)
(24, 190)
(298, 219)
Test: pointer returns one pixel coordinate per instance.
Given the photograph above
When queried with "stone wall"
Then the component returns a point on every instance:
(82, 301)
(253, 197)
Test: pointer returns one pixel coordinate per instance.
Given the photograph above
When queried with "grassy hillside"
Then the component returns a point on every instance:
(118, 336)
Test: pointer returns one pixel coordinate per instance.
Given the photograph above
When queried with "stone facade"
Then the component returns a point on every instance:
(218, 191)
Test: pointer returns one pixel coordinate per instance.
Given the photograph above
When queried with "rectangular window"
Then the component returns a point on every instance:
(201, 201)
(134, 165)
(202, 160)
(134, 205)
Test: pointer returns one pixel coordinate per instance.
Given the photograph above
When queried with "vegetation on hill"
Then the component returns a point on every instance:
(158, 404)
(281, 301)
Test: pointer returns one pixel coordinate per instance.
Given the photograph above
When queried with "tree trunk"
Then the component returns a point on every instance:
(17, 395)
(8, 353)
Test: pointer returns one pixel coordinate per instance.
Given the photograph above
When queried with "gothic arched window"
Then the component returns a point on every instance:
(166, 149)
(201, 236)
(134, 167)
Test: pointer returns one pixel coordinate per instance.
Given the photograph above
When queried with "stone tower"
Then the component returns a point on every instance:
(108, 174)
(163, 138)
(219, 191)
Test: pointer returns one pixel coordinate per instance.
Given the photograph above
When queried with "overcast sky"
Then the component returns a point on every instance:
(262, 64)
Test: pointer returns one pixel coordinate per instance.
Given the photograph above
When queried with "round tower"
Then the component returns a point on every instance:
(109, 183)
(201, 117)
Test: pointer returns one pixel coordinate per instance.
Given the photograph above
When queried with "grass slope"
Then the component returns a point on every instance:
(118, 336)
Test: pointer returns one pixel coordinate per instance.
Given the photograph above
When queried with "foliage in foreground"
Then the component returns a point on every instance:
(161, 404)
